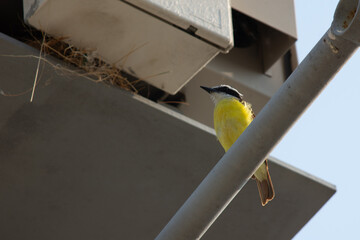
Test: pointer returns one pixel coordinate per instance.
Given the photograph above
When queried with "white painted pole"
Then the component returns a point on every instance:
(236, 167)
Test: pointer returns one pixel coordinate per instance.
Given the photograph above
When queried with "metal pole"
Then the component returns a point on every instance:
(235, 168)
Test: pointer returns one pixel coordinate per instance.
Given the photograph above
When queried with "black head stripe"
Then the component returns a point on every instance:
(228, 90)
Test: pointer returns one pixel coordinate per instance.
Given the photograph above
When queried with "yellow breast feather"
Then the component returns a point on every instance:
(231, 118)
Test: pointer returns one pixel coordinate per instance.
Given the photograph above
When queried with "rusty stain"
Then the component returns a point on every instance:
(349, 18)
(351, 14)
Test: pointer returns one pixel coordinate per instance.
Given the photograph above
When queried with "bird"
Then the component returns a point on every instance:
(232, 115)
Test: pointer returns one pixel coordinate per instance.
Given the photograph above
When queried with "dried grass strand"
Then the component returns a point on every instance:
(87, 63)
(37, 70)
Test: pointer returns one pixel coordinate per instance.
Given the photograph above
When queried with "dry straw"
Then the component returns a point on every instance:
(84, 60)
(90, 66)
(85, 63)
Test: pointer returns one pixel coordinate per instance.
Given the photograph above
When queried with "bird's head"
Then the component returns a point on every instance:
(218, 93)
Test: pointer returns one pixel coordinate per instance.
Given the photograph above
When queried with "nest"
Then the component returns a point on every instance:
(88, 65)
(85, 63)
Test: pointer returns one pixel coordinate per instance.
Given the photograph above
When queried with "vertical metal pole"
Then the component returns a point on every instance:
(235, 168)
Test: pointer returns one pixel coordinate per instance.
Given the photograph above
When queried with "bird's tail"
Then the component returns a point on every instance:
(265, 186)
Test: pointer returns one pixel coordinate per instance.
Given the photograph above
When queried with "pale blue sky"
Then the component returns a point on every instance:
(326, 139)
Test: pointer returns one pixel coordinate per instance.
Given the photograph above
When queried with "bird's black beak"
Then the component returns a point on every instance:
(209, 90)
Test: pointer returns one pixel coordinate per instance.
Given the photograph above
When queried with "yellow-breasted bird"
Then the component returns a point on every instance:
(232, 115)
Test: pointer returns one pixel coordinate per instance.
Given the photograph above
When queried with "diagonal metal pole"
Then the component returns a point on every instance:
(235, 168)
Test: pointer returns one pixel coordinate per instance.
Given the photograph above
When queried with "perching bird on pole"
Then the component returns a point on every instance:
(232, 115)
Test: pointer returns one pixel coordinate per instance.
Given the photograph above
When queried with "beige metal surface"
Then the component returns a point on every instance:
(88, 161)
(276, 27)
(279, 14)
(141, 44)
(211, 18)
